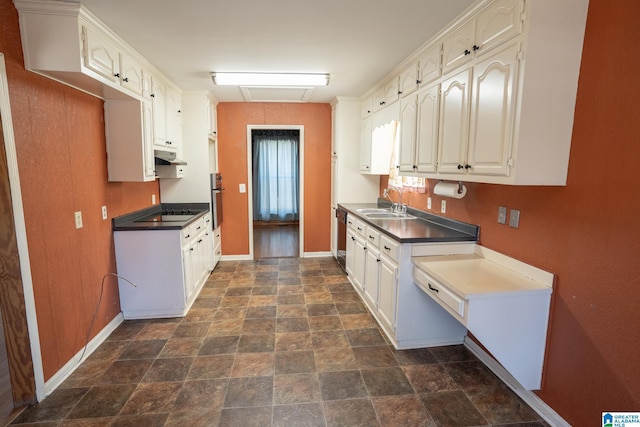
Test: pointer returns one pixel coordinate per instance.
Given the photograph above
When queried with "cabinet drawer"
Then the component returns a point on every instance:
(361, 228)
(440, 293)
(373, 237)
(389, 247)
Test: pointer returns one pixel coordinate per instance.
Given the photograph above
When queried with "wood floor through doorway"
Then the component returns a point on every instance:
(279, 240)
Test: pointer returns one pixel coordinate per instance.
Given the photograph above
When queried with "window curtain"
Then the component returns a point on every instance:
(276, 192)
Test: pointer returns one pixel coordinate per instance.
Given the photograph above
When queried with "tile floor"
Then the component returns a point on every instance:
(277, 342)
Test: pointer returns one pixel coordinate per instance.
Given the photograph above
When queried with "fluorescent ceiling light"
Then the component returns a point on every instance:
(270, 79)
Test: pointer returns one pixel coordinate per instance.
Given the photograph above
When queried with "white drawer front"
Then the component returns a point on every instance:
(452, 302)
(389, 247)
(373, 237)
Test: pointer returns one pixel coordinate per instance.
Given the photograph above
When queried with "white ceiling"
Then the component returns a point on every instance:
(357, 41)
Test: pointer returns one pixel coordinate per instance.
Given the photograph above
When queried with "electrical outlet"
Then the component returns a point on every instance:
(502, 215)
(153, 199)
(514, 218)
(443, 206)
(104, 212)
(429, 203)
(243, 188)
(78, 218)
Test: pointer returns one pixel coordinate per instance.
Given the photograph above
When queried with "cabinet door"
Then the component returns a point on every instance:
(406, 156)
(365, 144)
(457, 48)
(359, 262)
(499, 22)
(391, 92)
(131, 74)
(100, 56)
(187, 269)
(454, 119)
(426, 145)
(409, 80)
(372, 272)
(387, 296)
(367, 107)
(492, 113)
(174, 118)
(429, 66)
(147, 141)
(378, 99)
(351, 252)
(159, 96)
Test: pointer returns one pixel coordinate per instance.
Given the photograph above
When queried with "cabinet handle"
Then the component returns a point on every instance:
(399, 92)
(198, 228)
(382, 102)
(415, 167)
(126, 79)
(116, 75)
(353, 238)
(467, 166)
(187, 236)
(378, 260)
(431, 288)
(418, 82)
(191, 249)
(371, 237)
(467, 52)
(387, 248)
(460, 167)
(200, 241)
(476, 47)
(153, 95)
(359, 229)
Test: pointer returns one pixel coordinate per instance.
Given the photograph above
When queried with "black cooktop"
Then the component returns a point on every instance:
(166, 218)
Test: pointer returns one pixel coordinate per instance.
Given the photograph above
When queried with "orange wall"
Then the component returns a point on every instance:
(587, 233)
(233, 119)
(60, 143)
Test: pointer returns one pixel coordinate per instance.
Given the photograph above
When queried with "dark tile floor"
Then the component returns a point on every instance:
(278, 342)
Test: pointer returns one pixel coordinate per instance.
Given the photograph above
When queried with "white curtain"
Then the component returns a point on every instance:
(275, 175)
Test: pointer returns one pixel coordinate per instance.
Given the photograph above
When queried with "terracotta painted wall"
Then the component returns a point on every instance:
(60, 144)
(587, 233)
(233, 119)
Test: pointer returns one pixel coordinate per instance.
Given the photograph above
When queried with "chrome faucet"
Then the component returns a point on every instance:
(395, 207)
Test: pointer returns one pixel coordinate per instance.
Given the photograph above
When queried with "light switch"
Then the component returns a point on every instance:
(443, 206)
(429, 203)
(153, 199)
(78, 218)
(104, 212)
(514, 218)
(502, 215)
(243, 188)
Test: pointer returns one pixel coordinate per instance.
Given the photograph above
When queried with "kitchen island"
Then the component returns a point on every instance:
(164, 254)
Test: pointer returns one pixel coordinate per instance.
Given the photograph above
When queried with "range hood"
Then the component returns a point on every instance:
(167, 158)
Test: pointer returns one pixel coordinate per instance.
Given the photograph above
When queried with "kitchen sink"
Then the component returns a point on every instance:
(388, 215)
(374, 210)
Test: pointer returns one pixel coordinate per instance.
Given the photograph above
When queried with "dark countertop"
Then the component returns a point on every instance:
(135, 220)
(425, 228)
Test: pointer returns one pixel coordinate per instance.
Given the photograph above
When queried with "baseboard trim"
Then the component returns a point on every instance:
(73, 364)
(529, 397)
(316, 254)
(236, 258)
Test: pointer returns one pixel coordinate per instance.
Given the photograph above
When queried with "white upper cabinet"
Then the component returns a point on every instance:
(507, 77)
(131, 74)
(421, 72)
(100, 55)
(500, 21)
(386, 95)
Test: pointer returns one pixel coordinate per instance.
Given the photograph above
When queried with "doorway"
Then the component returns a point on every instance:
(275, 190)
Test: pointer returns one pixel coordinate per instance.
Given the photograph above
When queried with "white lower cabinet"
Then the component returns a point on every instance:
(168, 268)
(380, 269)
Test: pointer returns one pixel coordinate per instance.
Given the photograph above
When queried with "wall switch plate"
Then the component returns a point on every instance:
(428, 202)
(78, 218)
(443, 206)
(153, 199)
(243, 188)
(502, 215)
(514, 218)
(104, 212)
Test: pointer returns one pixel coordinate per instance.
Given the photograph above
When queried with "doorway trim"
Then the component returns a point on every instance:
(21, 232)
(299, 128)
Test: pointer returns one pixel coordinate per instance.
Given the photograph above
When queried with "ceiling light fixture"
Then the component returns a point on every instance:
(270, 79)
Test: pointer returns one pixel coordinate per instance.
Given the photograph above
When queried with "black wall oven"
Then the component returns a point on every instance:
(216, 199)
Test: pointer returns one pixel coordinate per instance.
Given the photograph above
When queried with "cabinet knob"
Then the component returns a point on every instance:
(153, 95)
(460, 167)
(467, 52)
(387, 248)
(415, 167)
(377, 259)
(418, 82)
(476, 47)
(126, 79)
(467, 167)
(116, 75)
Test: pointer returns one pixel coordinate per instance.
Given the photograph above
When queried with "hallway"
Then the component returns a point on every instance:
(277, 342)
(275, 240)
